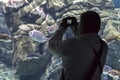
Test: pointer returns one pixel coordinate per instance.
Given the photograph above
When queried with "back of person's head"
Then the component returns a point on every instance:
(89, 22)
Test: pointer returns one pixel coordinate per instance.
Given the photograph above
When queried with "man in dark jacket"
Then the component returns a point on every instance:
(77, 53)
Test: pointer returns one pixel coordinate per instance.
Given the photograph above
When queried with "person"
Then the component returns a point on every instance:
(77, 53)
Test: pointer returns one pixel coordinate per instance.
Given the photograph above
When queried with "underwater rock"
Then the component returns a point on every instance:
(40, 11)
(28, 66)
(73, 13)
(53, 70)
(25, 10)
(34, 26)
(57, 3)
(102, 2)
(44, 27)
(104, 14)
(49, 20)
(2, 7)
(22, 47)
(33, 68)
(113, 54)
(24, 27)
(111, 32)
(13, 21)
(3, 25)
(30, 27)
(76, 1)
(109, 4)
(7, 73)
(14, 3)
(25, 50)
(96, 9)
(52, 28)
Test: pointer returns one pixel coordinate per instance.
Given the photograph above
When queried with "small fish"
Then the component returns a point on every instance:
(38, 36)
(52, 28)
(40, 11)
(114, 72)
(106, 69)
(5, 38)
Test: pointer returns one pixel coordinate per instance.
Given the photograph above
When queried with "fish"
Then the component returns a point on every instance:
(40, 11)
(114, 72)
(5, 37)
(106, 69)
(52, 28)
(38, 36)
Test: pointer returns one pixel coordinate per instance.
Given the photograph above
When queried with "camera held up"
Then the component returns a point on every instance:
(69, 22)
(72, 23)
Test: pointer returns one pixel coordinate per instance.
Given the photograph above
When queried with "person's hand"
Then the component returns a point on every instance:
(73, 22)
(63, 24)
(74, 26)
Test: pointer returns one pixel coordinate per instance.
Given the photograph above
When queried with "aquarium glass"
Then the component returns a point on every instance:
(26, 26)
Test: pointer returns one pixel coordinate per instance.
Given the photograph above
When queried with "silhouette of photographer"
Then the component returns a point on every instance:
(84, 55)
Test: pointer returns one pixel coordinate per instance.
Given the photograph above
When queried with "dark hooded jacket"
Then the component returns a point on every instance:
(77, 55)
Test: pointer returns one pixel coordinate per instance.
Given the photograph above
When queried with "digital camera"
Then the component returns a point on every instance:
(71, 22)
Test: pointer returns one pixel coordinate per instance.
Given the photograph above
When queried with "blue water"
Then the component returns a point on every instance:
(116, 3)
